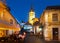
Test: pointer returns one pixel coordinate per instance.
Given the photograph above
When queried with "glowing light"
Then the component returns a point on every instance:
(40, 29)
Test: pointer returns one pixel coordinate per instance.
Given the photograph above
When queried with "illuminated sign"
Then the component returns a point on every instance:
(27, 27)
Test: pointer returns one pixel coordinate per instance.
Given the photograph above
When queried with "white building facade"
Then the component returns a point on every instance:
(51, 21)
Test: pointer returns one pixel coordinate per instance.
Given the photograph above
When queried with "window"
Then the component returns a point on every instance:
(55, 17)
(11, 21)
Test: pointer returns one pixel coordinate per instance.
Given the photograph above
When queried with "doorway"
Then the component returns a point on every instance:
(55, 33)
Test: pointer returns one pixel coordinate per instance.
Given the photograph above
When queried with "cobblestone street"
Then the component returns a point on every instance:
(30, 39)
(34, 39)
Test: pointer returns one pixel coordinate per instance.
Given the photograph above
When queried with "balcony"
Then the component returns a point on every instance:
(53, 23)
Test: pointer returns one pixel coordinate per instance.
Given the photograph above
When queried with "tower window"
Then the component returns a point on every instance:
(55, 17)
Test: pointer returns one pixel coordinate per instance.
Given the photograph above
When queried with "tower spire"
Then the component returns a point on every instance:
(31, 9)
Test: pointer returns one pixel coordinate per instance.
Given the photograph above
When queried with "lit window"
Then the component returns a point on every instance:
(55, 17)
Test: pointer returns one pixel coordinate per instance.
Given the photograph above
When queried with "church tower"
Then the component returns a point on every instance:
(31, 15)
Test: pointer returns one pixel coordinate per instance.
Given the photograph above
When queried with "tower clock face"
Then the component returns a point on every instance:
(31, 13)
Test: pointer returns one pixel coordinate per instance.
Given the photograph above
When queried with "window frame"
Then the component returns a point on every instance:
(54, 17)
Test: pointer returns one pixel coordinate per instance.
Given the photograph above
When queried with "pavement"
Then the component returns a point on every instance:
(35, 39)
(30, 39)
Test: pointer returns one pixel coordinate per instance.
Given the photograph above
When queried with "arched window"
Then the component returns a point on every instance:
(11, 21)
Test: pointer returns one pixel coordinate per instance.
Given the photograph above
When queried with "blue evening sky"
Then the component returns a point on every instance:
(20, 8)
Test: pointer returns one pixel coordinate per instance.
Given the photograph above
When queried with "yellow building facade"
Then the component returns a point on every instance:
(7, 21)
(35, 20)
(50, 19)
